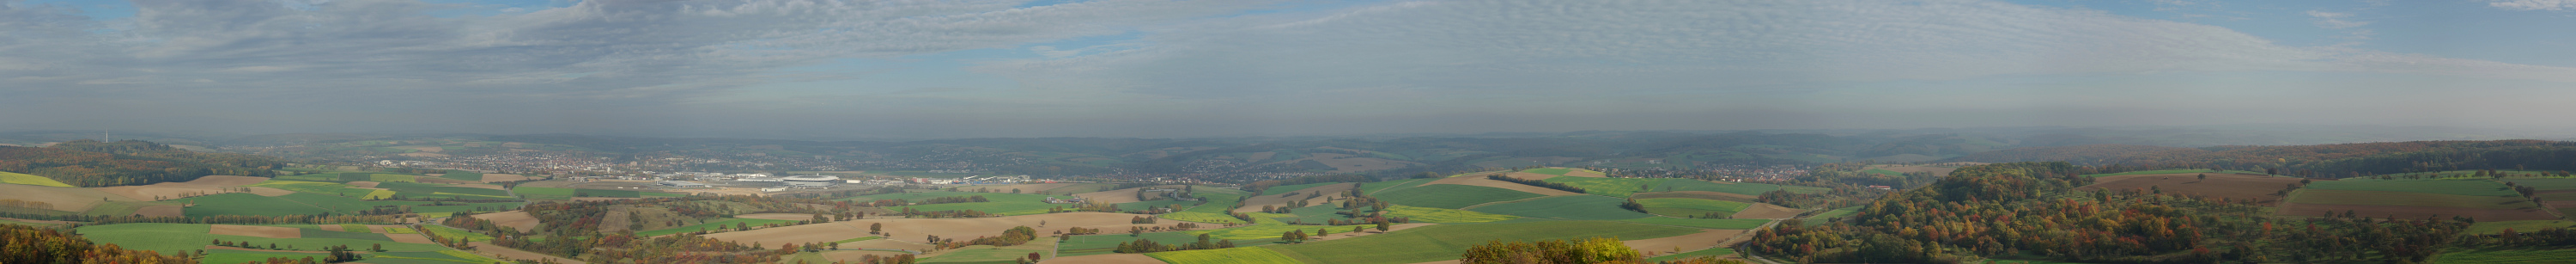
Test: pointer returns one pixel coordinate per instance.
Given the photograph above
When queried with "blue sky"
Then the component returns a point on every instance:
(1185, 68)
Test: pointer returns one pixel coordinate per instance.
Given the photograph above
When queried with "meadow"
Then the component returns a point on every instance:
(2493, 227)
(1201, 217)
(1549, 171)
(1711, 252)
(2396, 198)
(326, 188)
(2478, 187)
(1440, 215)
(1451, 196)
(29, 179)
(1703, 223)
(980, 254)
(175, 237)
(463, 175)
(2174, 172)
(1572, 207)
(1238, 255)
(1000, 203)
(1085, 245)
(1446, 242)
(1282, 189)
(2506, 255)
(246, 256)
(444, 231)
(1374, 188)
(1688, 207)
(1623, 187)
(549, 193)
(2548, 184)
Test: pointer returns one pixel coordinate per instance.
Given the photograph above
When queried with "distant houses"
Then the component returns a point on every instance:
(1054, 200)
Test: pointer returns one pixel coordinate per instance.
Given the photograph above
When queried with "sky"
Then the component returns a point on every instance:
(812, 69)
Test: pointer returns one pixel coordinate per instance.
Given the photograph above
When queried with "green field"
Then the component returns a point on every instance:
(2547, 184)
(1452, 196)
(1217, 203)
(354, 228)
(1711, 252)
(326, 188)
(980, 254)
(1836, 213)
(246, 256)
(1202, 217)
(462, 175)
(1572, 207)
(1440, 215)
(1884, 172)
(1446, 242)
(29, 179)
(1000, 203)
(1313, 215)
(247, 204)
(1548, 171)
(1380, 187)
(1691, 207)
(1282, 189)
(2493, 227)
(1148, 204)
(2499, 255)
(2406, 199)
(712, 225)
(318, 233)
(2452, 187)
(174, 237)
(1239, 255)
(420, 190)
(1703, 223)
(1622, 187)
(448, 256)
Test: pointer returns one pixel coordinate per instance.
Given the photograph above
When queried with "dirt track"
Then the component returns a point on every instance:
(2231, 186)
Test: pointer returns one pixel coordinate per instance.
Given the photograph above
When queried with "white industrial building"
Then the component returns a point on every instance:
(812, 181)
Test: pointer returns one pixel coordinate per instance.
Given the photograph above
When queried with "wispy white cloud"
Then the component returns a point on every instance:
(2534, 5)
(2334, 20)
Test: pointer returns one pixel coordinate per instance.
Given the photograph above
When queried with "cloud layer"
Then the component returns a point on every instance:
(1192, 68)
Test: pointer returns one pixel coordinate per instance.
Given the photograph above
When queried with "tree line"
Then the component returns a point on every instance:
(89, 163)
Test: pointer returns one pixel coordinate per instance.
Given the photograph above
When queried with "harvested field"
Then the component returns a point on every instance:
(1329, 190)
(1105, 259)
(364, 184)
(491, 178)
(2231, 186)
(1705, 239)
(885, 244)
(1695, 194)
(512, 219)
(1767, 211)
(71, 199)
(2415, 212)
(917, 229)
(504, 253)
(257, 231)
(334, 228)
(778, 216)
(1479, 180)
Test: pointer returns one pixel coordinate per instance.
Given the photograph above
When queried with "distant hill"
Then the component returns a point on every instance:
(89, 163)
(2324, 161)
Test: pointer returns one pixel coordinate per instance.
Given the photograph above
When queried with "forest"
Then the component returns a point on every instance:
(89, 163)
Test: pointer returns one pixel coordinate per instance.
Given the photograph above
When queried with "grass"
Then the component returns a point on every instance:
(1452, 196)
(1837, 213)
(1151, 204)
(353, 228)
(1239, 255)
(1884, 172)
(1202, 217)
(1440, 215)
(1549, 171)
(548, 193)
(1276, 190)
(859, 239)
(462, 175)
(1711, 252)
(1575, 207)
(1703, 222)
(246, 256)
(1376, 187)
(174, 237)
(1217, 203)
(443, 231)
(2546, 184)
(419, 190)
(29, 179)
(442, 255)
(393, 178)
(2507, 255)
(1000, 203)
(2451, 187)
(2406, 199)
(1313, 214)
(2494, 227)
(400, 230)
(325, 188)
(717, 224)
(2170, 172)
(318, 233)
(1689, 207)
(247, 204)
(1446, 242)
(1622, 187)
(1085, 245)
(980, 254)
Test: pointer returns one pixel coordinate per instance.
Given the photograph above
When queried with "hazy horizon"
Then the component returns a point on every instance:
(1182, 69)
